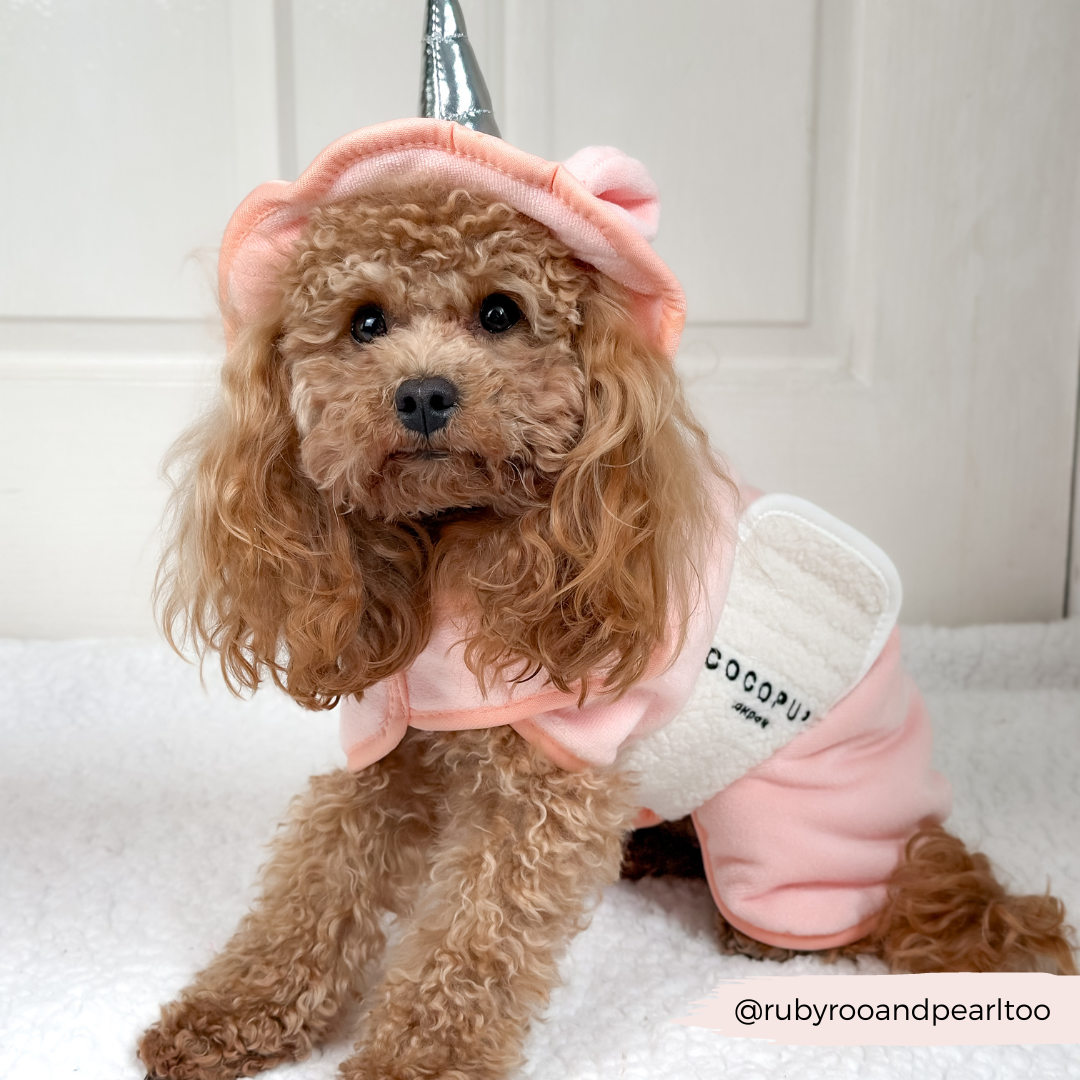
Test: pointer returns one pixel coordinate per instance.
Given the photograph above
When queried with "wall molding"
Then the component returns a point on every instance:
(136, 352)
(196, 369)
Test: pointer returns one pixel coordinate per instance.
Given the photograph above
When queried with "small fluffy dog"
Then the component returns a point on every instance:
(441, 413)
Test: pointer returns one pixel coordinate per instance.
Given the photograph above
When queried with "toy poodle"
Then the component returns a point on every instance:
(444, 428)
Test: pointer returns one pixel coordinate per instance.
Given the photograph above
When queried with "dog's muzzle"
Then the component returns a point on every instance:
(425, 405)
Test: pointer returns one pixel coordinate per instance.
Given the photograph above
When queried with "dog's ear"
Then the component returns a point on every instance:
(635, 505)
(602, 580)
(263, 569)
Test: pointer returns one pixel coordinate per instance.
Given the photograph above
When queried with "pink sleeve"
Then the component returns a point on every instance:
(798, 850)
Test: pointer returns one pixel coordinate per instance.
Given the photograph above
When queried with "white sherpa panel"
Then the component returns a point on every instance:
(810, 606)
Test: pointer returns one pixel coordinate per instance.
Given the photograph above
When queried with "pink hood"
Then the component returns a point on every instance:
(602, 204)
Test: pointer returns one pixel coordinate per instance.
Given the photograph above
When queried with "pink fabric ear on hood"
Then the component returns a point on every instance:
(622, 181)
(601, 204)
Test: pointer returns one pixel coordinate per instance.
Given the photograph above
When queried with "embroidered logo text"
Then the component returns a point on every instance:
(759, 695)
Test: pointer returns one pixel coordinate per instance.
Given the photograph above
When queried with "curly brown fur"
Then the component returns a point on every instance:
(499, 852)
(525, 847)
(353, 848)
(947, 912)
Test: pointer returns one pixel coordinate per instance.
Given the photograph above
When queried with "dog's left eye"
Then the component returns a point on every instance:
(498, 313)
(368, 323)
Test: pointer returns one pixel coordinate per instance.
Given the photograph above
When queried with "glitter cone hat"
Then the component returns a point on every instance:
(600, 203)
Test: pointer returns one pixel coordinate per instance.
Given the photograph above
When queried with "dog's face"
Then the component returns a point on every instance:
(430, 344)
(442, 406)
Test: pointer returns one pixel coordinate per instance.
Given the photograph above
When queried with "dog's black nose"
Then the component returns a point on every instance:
(425, 405)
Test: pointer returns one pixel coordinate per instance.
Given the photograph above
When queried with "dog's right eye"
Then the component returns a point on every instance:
(368, 323)
(498, 313)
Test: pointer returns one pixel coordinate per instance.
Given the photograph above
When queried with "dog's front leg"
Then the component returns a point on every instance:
(353, 847)
(525, 847)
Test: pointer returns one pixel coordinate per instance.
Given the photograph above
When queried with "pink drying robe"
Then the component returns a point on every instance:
(786, 726)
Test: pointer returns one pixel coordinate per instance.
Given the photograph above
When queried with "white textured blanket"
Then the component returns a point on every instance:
(136, 807)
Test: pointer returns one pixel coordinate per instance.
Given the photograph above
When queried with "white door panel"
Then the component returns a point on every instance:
(873, 207)
(718, 98)
(117, 156)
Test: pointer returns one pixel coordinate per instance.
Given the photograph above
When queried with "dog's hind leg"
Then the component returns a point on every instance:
(946, 911)
(525, 847)
(352, 847)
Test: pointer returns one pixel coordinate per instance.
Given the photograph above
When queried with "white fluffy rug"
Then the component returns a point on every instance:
(136, 807)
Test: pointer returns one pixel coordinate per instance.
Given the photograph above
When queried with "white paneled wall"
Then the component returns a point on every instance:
(873, 207)
(118, 156)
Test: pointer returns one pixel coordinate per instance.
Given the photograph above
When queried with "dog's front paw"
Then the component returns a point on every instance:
(365, 1067)
(199, 1038)
(422, 1054)
(428, 1053)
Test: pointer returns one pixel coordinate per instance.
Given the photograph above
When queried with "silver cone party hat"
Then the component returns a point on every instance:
(453, 87)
